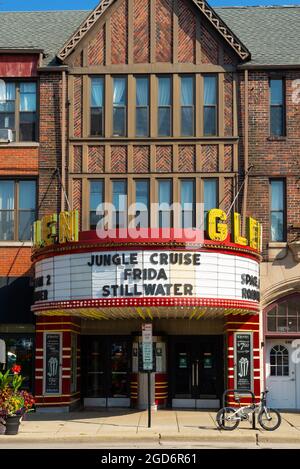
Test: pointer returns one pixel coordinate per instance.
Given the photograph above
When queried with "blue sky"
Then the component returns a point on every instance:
(28, 5)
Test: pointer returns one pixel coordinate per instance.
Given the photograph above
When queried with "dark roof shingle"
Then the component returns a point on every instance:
(272, 34)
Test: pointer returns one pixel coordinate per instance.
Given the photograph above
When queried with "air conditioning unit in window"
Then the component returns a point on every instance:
(6, 135)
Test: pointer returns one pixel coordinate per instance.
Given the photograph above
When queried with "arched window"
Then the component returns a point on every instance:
(284, 316)
(279, 361)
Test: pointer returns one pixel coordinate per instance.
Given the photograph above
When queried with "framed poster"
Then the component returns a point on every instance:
(243, 361)
(52, 362)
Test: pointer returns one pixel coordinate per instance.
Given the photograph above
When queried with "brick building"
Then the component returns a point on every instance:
(151, 102)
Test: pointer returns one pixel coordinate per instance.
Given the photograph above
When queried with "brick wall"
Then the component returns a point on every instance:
(15, 261)
(19, 161)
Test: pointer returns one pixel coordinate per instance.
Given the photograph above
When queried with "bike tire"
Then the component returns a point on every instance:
(273, 412)
(221, 419)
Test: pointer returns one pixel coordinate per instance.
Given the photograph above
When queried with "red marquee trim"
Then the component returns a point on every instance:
(140, 302)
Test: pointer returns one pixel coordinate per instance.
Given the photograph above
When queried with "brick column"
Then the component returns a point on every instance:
(68, 329)
(242, 323)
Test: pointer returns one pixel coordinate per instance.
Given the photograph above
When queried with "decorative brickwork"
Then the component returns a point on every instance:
(77, 162)
(228, 194)
(186, 34)
(78, 62)
(141, 159)
(78, 106)
(164, 30)
(96, 159)
(96, 48)
(228, 91)
(210, 160)
(228, 158)
(164, 159)
(118, 159)
(77, 197)
(209, 48)
(141, 38)
(119, 34)
(186, 159)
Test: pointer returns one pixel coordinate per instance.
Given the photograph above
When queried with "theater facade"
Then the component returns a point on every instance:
(93, 295)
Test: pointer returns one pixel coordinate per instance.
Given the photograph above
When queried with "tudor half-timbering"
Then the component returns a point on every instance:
(151, 96)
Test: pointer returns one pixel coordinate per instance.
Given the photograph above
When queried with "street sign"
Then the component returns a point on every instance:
(147, 347)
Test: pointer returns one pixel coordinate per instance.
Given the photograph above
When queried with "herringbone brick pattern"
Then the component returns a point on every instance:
(96, 159)
(77, 197)
(186, 33)
(96, 48)
(77, 162)
(209, 48)
(164, 159)
(141, 24)
(164, 30)
(77, 106)
(118, 159)
(210, 158)
(119, 34)
(228, 91)
(186, 158)
(141, 159)
(228, 158)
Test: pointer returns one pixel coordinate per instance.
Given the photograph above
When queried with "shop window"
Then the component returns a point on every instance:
(119, 200)
(142, 107)
(96, 199)
(142, 203)
(284, 317)
(164, 106)
(18, 110)
(210, 196)
(17, 209)
(279, 361)
(165, 200)
(187, 198)
(210, 105)
(278, 212)
(97, 106)
(20, 351)
(119, 106)
(277, 107)
(187, 106)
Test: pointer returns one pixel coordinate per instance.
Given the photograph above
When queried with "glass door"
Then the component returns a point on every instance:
(96, 359)
(120, 368)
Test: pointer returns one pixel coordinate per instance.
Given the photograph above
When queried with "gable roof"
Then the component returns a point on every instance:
(271, 34)
(202, 5)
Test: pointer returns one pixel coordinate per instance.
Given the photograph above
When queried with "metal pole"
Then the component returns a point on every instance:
(149, 399)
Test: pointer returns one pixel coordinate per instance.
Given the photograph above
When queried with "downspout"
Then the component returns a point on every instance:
(246, 149)
(63, 141)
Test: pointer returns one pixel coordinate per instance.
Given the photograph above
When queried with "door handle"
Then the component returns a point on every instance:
(197, 373)
(193, 374)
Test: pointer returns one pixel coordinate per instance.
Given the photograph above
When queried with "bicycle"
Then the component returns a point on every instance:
(229, 418)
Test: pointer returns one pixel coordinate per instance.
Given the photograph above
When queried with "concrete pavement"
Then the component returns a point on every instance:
(130, 426)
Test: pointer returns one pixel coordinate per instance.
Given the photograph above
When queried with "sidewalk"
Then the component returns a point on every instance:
(126, 425)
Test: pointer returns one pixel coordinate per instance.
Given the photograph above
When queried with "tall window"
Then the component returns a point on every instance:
(210, 197)
(164, 106)
(187, 106)
(17, 209)
(97, 104)
(119, 106)
(142, 203)
(18, 110)
(119, 200)
(142, 107)
(277, 189)
(96, 199)
(165, 200)
(277, 110)
(187, 197)
(279, 361)
(210, 105)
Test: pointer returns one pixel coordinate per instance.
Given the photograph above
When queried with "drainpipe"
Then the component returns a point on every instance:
(246, 149)
(63, 141)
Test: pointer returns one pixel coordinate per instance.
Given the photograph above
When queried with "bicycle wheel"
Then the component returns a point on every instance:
(226, 419)
(269, 420)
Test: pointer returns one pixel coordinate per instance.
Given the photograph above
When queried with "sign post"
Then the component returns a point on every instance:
(147, 347)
